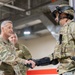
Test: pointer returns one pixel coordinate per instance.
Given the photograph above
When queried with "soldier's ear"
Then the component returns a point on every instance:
(2, 28)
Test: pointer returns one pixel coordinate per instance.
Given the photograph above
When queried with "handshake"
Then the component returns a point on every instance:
(41, 62)
(30, 63)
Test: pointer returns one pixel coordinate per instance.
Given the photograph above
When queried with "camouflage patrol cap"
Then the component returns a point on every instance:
(4, 23)
(65, 9)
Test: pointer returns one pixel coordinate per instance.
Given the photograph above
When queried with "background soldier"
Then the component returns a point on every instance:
(65, 48)
(25, 54)
(7, 51)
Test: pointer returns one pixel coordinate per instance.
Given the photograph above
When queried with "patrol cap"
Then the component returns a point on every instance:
(4, 23)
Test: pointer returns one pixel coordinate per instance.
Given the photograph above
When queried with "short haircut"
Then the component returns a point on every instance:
(4, 23)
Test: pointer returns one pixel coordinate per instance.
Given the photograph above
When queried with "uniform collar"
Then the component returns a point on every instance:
(5, 41)
(68, 22)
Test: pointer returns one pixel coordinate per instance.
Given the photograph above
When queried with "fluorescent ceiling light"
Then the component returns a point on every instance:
(27, 32)
(34, 22)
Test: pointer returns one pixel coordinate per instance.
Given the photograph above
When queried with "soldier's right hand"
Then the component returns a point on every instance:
(30, 63)
(33, 64)
(27, 62)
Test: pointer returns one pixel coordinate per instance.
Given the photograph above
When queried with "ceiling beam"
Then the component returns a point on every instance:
(11, 6)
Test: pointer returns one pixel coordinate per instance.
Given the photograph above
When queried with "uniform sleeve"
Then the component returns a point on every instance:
(5, 55)
(72, 29)
(9, 57)
(19, 58)
(25, 52)
(57, 52)
(21, 61)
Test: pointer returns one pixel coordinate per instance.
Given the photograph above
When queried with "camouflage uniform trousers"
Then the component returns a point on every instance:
(5, 73)
(69, 73)
(6, 69)
(10, 71)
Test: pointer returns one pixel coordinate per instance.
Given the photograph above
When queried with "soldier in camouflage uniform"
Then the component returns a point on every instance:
(65, 49)
(25, 53)
(8, 57)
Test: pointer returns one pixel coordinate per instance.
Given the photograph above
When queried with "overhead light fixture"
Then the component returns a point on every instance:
(27, 32)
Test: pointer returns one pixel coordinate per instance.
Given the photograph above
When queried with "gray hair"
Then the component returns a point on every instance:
(4, 23)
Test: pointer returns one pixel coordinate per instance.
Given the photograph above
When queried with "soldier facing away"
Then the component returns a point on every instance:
(64, 51)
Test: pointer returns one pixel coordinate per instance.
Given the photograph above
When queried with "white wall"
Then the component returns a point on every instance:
(41, 47)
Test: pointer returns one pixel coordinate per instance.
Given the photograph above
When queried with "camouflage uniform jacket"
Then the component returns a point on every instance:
(25, 54)
(8, 55)
(67, 49)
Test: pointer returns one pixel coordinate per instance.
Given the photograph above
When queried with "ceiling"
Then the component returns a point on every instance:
(31, 14)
